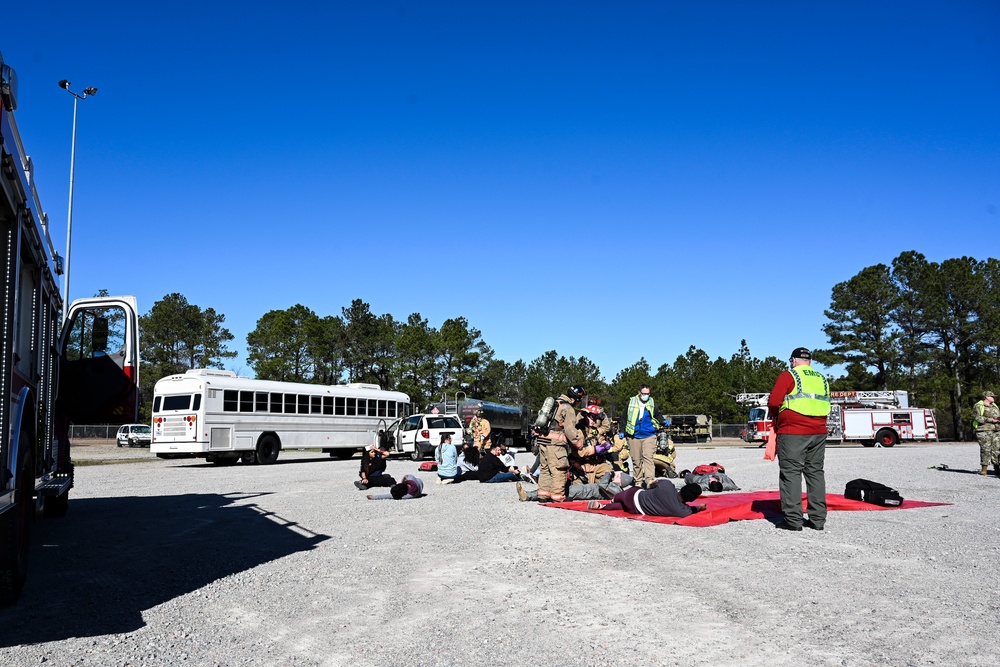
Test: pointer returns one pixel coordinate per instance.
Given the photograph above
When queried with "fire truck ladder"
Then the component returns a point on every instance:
(874, 399)
(752, 399)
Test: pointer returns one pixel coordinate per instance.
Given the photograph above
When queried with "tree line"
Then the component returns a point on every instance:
(931, 329)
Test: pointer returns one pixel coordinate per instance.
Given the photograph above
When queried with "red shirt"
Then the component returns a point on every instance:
(790, 422)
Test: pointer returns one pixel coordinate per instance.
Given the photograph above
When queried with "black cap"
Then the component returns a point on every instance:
(802, 353)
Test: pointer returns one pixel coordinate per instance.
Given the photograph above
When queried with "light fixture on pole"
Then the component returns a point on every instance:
(64, 84)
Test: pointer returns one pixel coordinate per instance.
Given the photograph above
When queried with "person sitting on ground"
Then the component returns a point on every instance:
(493, 470)
(507, 456)
(661, 498)
(446, 456)
(373, 469)
(411, 487)
(468, 463)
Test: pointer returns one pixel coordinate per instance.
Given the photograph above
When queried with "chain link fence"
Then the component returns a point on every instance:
(96, 433)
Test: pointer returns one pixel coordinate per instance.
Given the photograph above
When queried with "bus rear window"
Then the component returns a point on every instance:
(177, 402)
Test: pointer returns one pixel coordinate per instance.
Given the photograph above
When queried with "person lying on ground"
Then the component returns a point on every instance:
(411, 487)
(661, 498)
(493, 470)
(373, 469)
(716, 481)
(607, 487)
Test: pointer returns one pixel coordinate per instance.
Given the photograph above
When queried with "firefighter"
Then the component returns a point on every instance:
(479, 429)
(986, 421)
(552, 446)
(590, 462)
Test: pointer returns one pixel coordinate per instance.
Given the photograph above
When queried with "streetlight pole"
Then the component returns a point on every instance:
(64, 84)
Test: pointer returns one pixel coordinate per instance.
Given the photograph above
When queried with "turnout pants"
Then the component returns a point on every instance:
(643, 468)
(802, 456)
(552, 474)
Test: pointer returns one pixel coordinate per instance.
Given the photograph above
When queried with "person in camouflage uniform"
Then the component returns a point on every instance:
(986, 421)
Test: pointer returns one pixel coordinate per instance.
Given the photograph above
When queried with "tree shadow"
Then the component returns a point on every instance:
(96, 571)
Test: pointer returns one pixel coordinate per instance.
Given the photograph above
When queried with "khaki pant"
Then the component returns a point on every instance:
(554, 460)
(643, 468)
(591, 473)
(989, 448)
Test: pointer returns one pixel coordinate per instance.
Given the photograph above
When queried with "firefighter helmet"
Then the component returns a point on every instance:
(576, 392)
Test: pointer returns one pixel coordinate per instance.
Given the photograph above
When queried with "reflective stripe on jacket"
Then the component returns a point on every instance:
(812, 393)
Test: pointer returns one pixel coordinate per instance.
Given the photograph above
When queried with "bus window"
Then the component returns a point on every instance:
(315, 403)
(340, 408)
(197, 402)
(362, 406)
(352, 407)
(328, 405)
(392, 408)
(382, 410)
(156, 404)
(276, 403)
(246, 401)
(303, 400)
(290, 404)
(182, 402)
(260, 401)
(229, 400)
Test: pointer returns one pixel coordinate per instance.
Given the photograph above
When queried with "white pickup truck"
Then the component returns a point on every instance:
(418, 435)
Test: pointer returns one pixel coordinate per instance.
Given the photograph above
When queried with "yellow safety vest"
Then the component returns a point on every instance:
(635, 408)
(812, 393)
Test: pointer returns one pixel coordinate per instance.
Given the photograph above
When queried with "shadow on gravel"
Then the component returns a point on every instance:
(95, 572)
(964, 472)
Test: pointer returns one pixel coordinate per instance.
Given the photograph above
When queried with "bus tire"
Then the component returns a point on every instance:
(887, 437)
(15, 527)
(267, 450)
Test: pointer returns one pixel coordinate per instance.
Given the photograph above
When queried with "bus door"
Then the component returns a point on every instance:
(99, 361)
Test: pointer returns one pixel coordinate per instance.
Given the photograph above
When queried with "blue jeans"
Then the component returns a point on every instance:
(456, 477)
(502, 477)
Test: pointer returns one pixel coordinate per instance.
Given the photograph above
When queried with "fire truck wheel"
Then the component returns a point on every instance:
(267, 450)
(14, 530)
(887, 437)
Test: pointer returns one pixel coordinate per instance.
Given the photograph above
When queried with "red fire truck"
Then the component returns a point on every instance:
(87, 372)
(873, 418)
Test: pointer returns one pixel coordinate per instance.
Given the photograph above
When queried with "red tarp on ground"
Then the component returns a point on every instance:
(727, 507)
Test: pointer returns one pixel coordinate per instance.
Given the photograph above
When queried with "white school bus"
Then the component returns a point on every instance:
(224, 418)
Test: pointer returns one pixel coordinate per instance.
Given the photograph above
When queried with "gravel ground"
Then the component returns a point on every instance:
(178, 562)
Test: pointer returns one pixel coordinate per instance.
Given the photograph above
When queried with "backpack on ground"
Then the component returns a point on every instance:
(874, 493)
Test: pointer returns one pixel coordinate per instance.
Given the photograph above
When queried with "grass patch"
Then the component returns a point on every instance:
(103, 462)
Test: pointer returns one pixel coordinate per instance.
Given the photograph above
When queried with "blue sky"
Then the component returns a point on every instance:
(613, 180)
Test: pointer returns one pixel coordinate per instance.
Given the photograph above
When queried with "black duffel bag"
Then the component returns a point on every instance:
(868, 491)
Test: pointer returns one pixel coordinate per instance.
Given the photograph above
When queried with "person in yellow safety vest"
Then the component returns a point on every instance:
(640, 432)
(801, 400)
(986, 421)
(553, 447)
(480, 429)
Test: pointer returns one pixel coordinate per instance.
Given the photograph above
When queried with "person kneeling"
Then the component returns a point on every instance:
(660, 499)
